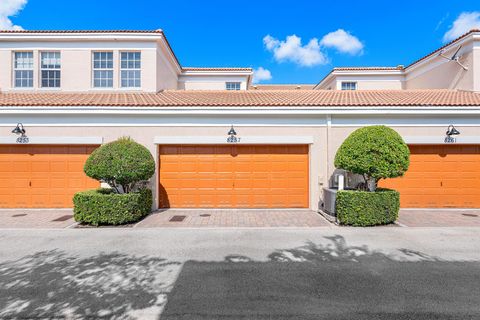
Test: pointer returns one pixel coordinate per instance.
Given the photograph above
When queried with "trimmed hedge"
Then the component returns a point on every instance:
(362, 208)
(103, 206)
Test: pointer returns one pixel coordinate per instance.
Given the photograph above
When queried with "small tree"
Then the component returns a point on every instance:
(375, 152)
(123, 163)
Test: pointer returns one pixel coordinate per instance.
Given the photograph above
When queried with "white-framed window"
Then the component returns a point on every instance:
(50, 69)
(130, 65)
(232, 85)
(349, 85)
(23, 69)
(102, 69)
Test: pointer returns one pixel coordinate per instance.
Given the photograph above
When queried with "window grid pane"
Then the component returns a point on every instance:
(130, 64)
(349, 86)
(103, 69)
(50, 69)
(233, 85)
(23, 67)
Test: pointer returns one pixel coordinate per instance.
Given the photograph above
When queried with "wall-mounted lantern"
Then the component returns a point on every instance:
(20, 130)
(451, 133)
(232, 136)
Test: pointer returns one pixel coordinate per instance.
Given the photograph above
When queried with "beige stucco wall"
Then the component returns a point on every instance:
(378, 85)
(76, 65)
(326, 139)
(204, 82)
(442, 74)
(371, 82)
(145, 136)
(476, 67)
(5, 69)
(339, 133)
(164, 74)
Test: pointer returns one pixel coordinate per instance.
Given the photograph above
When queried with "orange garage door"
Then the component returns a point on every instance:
(440, 176)
(234, 176)
(42, 176)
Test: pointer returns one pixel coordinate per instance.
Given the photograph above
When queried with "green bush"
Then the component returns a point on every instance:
(103, 206)
(361, 208)
(376, 152)
(121, 163)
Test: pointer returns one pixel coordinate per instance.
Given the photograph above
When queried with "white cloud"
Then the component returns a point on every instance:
(291, 49)
(261, 74)
(465, 22)
(10, 8)
(343, 41)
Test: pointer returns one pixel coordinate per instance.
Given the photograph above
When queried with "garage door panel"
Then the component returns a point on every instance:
(42, 176)
(440, 176)
(234, 176)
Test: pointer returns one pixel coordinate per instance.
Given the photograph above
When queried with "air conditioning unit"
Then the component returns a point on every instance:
(329, 198)
(351, 180)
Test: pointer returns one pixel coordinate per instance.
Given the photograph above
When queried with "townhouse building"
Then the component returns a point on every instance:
(218, 140)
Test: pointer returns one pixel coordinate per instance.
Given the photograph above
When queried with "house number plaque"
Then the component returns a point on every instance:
(23, 139)
(449, 139)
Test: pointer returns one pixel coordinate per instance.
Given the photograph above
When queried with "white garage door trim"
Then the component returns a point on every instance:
(202, 140)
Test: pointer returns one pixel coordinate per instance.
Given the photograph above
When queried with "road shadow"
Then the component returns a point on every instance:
(333, 281)
(53, 284)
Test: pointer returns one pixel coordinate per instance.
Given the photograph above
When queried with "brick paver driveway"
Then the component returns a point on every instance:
(439, 218)
(233, 218)
(203, 218)
(36, 218)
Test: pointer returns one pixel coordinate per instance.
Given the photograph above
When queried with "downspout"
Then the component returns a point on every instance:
(329, 127)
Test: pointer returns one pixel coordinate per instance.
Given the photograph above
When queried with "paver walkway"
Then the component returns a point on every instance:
(439, 218)
(211, 218)
(218, 218)
(36, 218)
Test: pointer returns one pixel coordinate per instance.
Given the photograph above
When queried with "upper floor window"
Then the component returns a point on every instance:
(232, 85)
(130, 63)
(349, 85)
(50, 69)
(23, 69)
(103, 69)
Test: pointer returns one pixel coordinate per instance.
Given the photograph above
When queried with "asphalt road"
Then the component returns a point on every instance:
(325, 273)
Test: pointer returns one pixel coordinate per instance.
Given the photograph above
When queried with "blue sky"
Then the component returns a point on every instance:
(321, 34)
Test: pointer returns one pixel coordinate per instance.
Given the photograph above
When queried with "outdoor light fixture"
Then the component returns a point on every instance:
(232, 136)
(452, 131)
(19, 129)
(232, 132)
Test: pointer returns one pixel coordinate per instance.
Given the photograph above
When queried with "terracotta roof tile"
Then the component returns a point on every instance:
(254, 98)
(215, 69)
(366, 68)
(281, 86)
(81, 31)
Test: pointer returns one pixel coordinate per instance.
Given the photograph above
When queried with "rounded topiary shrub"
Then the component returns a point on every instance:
(125, 165)
(105, 207)
(362, 208)
(122, 163)
(376, 152)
